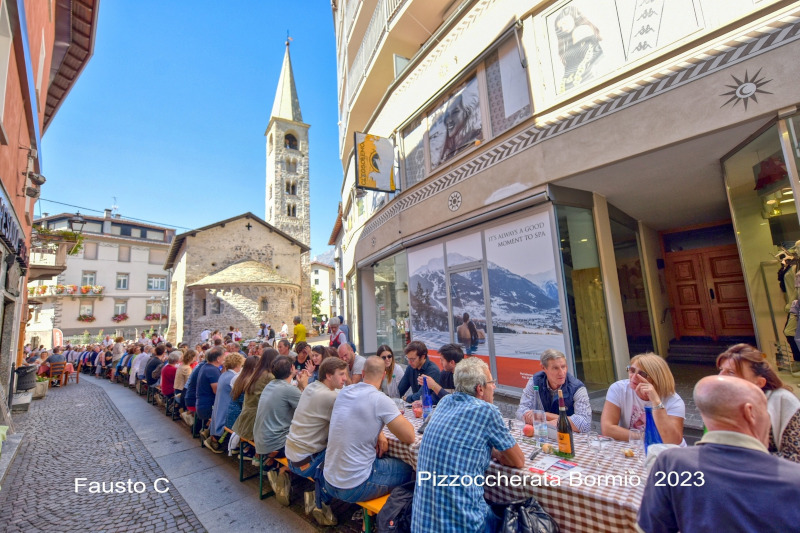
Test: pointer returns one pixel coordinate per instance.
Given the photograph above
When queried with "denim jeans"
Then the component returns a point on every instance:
(387, 473)
(310, 469)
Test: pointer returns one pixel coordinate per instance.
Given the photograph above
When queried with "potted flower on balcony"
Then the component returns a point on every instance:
(120, 317)
(86, 289)
(154, 316)
(59, 289)
(31, 291)
(71, 289)
(97, 289)
(41, 289)
(86, 318)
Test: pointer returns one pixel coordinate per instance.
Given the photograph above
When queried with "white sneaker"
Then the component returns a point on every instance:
(324, 516)
(310, 501)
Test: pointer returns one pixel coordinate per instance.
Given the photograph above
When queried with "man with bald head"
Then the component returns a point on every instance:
(729, 481)
(355, 363)
(355, 466)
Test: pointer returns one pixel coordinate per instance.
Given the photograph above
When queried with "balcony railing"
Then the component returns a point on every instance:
(83, 291)
(378, 27)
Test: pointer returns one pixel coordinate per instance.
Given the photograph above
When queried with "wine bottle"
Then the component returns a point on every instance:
(539, 417)
(651, 434)
(566, 444)
(427, 400)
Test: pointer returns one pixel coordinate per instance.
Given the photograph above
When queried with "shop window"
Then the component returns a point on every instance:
(391, 302)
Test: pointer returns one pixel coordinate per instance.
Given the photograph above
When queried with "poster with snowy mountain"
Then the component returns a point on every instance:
(523, 294)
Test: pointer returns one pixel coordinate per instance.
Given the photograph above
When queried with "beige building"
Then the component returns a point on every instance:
(237, 272)
(323, 280)
(115, 285)
(596, 176)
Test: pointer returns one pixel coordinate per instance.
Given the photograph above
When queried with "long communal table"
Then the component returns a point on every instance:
(608, 507)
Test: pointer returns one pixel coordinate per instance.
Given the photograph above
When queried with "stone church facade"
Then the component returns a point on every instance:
(237, 272)
(244, 271)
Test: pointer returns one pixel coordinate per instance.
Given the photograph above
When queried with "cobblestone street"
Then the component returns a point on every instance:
(77, 432)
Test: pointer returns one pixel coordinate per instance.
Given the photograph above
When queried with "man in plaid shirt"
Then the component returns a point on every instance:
(464, 435)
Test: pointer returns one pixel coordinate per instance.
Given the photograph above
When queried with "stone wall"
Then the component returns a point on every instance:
(286, 164)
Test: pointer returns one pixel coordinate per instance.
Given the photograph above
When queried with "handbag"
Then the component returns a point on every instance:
(527, 516)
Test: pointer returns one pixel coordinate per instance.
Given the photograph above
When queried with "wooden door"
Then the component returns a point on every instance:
(707, 293)
(691, 310)
(730, 309)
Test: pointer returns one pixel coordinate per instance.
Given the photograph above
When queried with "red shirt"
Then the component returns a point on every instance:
(168, 380)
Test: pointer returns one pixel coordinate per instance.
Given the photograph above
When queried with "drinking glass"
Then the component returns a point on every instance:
(594, 444)
(636, 441)
(518, 425)
(400, 404)
(604, 443)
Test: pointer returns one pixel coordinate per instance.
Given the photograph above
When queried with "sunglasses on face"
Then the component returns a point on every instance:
(633, 371)
(386, 357)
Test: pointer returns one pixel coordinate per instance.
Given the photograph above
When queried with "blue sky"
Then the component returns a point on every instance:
(170, 113)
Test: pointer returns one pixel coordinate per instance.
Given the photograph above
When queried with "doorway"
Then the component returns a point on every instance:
(707, 293)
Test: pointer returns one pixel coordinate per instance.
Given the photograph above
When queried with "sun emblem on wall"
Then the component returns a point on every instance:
(745, 90)
(454, 202)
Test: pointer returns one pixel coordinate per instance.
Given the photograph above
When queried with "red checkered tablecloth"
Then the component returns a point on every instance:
(609, 506)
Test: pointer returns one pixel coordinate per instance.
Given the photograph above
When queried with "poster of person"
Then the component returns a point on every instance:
(524, 290)
(585, 42)
(456, 124)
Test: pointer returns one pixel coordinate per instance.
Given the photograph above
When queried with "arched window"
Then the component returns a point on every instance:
(291, 165)
(288, 187)
(263, 305)
(294, 210)
(294, 187)
(290, 141)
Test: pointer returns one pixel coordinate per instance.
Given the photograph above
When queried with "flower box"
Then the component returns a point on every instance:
(97, 289)
(71, 289)
(120, 317)
(41, 290)
(86, 318)
(86, 289)
(155, 316)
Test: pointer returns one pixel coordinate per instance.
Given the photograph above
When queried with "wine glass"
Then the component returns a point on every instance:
(636, 440)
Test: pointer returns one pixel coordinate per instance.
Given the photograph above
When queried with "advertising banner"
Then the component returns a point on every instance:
(58, 337)
(526, 313)
(374, 163)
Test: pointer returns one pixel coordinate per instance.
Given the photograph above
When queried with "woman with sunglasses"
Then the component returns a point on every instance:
(746, 362)
(394, 372)
(649, 380)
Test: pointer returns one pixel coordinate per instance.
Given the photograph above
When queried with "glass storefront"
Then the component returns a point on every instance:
(764, 208)
(391, 302)
(583, 285)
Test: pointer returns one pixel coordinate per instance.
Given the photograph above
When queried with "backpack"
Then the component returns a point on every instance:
(395, 517)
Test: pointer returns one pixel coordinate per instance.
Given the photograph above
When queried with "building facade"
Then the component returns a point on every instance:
(323, 280)
(115, 285)
(238, 272)
(44, 47)
(600, 177)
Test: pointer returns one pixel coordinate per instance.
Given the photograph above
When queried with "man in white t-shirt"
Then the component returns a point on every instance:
(355, 363)
(352, 471)
(308, 434)
(205, 334)
(284, 334)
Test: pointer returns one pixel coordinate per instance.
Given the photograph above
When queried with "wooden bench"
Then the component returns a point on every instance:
(242, 478)
(371, 507)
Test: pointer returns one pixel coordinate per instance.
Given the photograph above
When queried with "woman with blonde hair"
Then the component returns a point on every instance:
(748, 363)
(649, 380)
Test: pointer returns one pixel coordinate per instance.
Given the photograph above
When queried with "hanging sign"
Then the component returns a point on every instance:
(374, 163)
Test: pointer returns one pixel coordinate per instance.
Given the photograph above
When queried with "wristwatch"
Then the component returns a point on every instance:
(659, 406)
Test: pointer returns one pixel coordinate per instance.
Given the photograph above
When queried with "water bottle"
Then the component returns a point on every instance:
(427, 401)
(651, 434)
(539, 418)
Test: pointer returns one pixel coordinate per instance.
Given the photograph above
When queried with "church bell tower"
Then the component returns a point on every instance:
(287, 195)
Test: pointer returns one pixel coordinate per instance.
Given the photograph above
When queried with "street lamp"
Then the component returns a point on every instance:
(76, 223)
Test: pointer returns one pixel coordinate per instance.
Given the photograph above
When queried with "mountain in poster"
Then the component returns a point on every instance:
(517, 302)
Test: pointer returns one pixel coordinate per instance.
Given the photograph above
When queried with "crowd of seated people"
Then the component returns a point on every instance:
(302, 407)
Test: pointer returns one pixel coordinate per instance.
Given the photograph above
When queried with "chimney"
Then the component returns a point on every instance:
(117, 216)
(107, 213)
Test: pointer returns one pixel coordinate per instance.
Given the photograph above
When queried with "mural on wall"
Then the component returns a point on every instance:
(456, 124)
(590, 39)
(428, 296)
